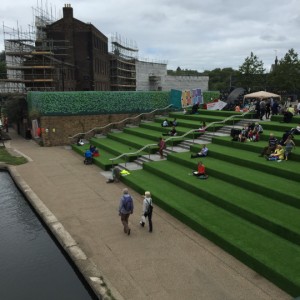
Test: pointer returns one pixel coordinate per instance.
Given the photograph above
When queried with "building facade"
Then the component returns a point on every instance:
(85, 62)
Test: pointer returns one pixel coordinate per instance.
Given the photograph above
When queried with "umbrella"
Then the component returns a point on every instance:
(262, 95)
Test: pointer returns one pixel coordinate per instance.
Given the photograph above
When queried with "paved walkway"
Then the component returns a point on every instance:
(173, 262)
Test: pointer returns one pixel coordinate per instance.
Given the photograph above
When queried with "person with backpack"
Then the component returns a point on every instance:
(126, 209)
(147, 211)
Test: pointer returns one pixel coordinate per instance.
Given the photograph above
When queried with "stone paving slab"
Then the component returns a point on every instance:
(172, 262)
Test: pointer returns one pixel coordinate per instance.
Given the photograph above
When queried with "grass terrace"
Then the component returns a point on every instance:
(248, 206)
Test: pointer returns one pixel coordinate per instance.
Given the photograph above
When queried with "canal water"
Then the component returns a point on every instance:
(32, 265)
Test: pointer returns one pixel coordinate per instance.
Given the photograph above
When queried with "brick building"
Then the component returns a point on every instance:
(83, 53)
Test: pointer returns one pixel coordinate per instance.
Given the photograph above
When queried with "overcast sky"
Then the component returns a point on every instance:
(193, 34)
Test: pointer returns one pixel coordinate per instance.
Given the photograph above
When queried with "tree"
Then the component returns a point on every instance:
(252, 73)
(221, 79)
(285, 76)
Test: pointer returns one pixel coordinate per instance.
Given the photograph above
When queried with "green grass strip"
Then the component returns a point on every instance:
(9, 159)
(275, 216)
(273, 257)
(133, 141)
(103, 161)
(255, 147)
(243, 157)
(269, 185)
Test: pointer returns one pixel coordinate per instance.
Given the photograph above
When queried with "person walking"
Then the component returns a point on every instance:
(162, 146)
(126, 209)
(147, 211)
(262, 108)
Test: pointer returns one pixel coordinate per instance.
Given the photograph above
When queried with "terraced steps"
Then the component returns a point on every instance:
(103, 161)
(268, 185)
(244, 157)
(261, 210)
(270, 255)
(248, 206)
(255, 147)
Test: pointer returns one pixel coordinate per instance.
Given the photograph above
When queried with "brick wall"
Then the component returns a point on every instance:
(57, 130)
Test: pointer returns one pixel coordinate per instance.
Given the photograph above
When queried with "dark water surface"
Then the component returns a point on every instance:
(32, 266)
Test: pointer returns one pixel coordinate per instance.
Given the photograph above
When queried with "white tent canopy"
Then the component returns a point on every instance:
(262, 95)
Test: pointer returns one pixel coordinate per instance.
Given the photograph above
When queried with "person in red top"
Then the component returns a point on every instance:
(201, 172)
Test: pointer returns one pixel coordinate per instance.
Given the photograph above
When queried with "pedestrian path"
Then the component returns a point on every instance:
(172, 262)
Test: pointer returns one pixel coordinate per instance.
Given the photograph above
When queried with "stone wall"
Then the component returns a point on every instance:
(152, 76)
(56, 130)
(186, 83)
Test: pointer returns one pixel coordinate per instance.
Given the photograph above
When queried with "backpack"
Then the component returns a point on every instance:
(150, 208)
(128, 203)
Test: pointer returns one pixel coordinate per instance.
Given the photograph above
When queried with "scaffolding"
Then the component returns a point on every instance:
(33, 63)
(124, 54)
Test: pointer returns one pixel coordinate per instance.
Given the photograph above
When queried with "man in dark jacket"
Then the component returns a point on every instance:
(272, 143)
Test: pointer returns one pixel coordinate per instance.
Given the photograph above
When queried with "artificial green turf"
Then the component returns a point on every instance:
(278, 134)
(103, 161)
(275, 216)
(208, 113)
(134, 141)
(151, 134)
(277, 126)
(268, 254)
(237, 205)
(287, 169)
(188, 123)
(279, 118)
(266, 184)
(256, 147)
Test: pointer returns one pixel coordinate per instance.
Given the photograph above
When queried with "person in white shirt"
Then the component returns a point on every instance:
(147, 211)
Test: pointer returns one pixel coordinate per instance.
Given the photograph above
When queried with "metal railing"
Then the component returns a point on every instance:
(122, 122)
(173, 138)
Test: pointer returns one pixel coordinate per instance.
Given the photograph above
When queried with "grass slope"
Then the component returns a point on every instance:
(275, 258)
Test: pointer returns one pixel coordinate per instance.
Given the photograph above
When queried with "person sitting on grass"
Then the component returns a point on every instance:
(116, 174)
(165, 123)
(88, 157)
(92, 148)
(242, 136)
(296, 130)
(201, 171)
(80, 142)
(174, 122)
(202, 153)
(272, 143)
(203, 127)
(96, 153)
(289, 145)
(172, 132)
(278, 154)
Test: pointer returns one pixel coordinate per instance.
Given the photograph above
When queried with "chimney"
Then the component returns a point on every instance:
(68, 11)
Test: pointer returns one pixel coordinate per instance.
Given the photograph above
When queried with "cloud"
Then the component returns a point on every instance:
(191, 34)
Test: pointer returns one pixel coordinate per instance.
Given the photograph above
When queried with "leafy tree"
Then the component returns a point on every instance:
(221, 79)
(285, 76)
(252, 73)
(252, 65)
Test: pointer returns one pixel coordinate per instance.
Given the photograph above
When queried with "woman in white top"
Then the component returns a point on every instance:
(147, 211)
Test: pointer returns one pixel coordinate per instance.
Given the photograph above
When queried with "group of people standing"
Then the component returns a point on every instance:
(264, 108)
(126, 208)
